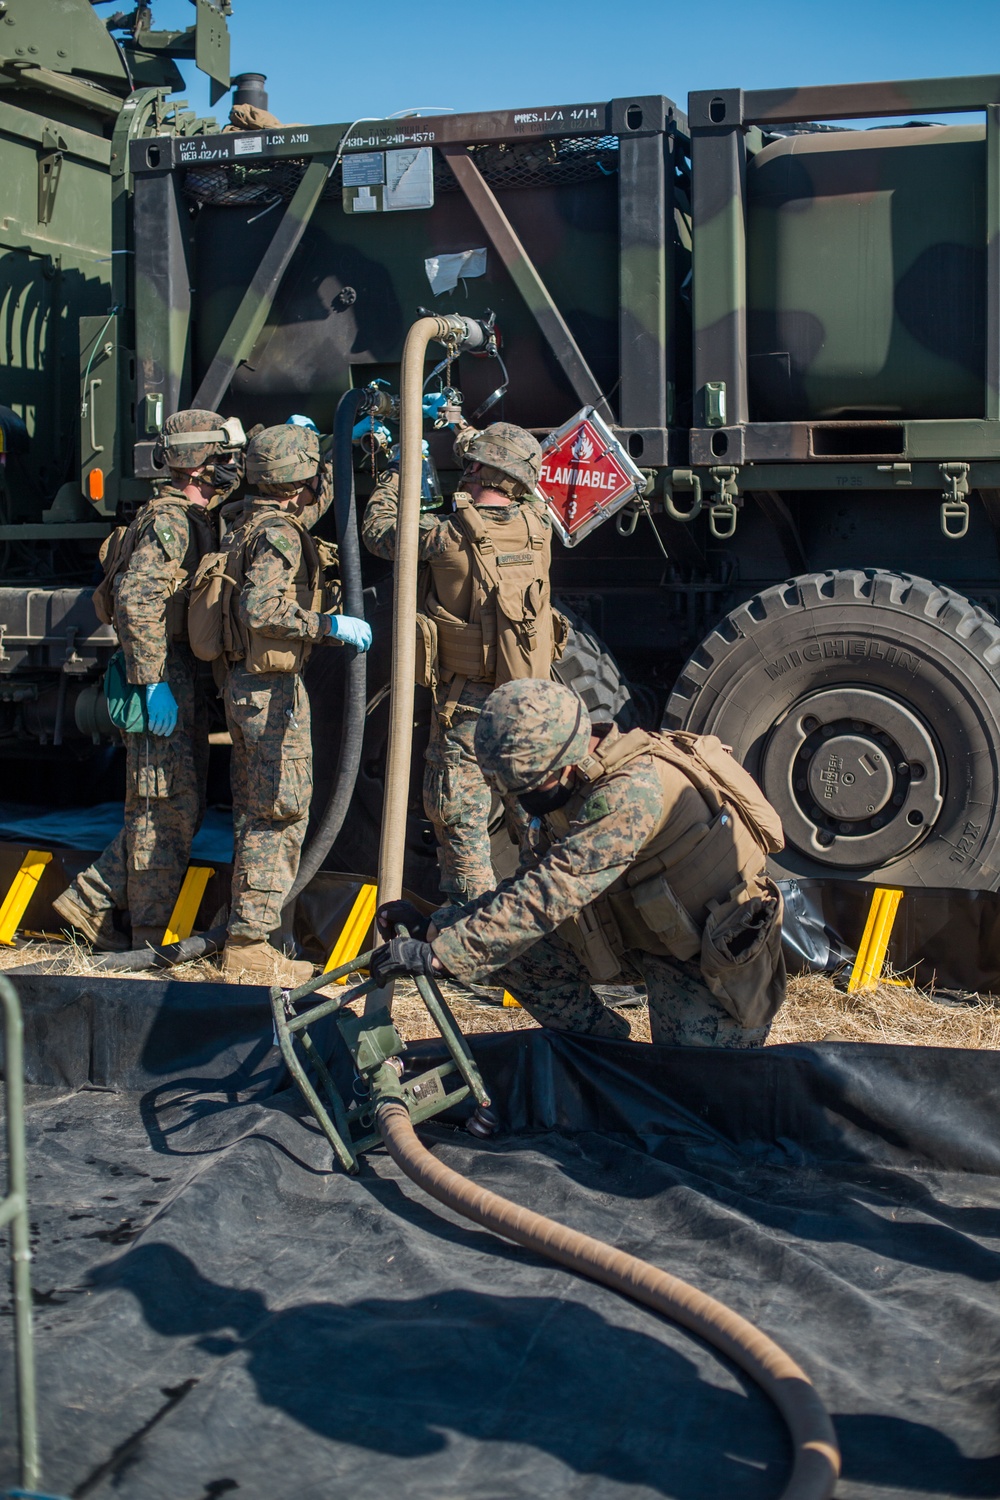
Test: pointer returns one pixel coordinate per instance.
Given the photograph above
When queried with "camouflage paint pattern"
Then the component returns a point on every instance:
(791, 319)
(509, 936)
(288, 454)
(553, 986)
(457, 800)
(268, 718)
(271, 769)
(516, 453)
(165, 777)
(530, 729)
(165, 782)
(599, 846)
(173, 535)
(274, 562)
(866, 275)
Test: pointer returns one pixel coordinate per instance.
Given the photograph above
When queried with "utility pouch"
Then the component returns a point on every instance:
(741, 958)
(208, 607)
(114, 558)
(586, 935)
(126, 701)
(425, 672)
(666, 917)
(560, 635)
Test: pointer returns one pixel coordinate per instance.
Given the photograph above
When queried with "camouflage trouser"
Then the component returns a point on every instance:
(553, 985)
(165, 780)
(268, 717)
(458, 801)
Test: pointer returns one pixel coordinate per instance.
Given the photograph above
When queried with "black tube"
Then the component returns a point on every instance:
(352, 739)
(199, 946)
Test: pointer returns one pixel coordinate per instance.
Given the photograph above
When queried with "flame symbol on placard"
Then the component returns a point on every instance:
(583, 449)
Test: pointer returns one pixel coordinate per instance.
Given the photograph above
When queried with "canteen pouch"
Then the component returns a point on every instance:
(126, 702)
(666, 917)
(425, 669)
(741, 958)
(586, 935)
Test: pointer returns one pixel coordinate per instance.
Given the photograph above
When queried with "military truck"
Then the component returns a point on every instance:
(790, 323)
(73, 96)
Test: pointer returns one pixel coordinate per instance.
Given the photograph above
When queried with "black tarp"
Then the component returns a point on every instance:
(218, 1311)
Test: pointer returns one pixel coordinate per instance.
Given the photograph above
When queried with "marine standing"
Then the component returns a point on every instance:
(649, 865)
(485, 618)
(280, 616)
(166, 768)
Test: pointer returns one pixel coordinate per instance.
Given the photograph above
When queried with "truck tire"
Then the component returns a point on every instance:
(589, 669)
(867, 706)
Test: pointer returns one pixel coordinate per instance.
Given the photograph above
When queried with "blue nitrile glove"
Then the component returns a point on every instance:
(366, 428)
(161, 708)
(433, 403)
(350, 631)
(401, 956)
(300, 421)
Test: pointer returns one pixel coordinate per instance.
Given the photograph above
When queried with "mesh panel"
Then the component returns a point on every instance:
(521, 164)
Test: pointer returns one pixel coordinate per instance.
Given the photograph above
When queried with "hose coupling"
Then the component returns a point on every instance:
(483, 1122)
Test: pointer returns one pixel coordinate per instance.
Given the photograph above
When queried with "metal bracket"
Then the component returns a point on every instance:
(526, 278)
(249, 318)
(377, 1048)
(955, 506)
(50, 160)
(722, 506)
(683, 479)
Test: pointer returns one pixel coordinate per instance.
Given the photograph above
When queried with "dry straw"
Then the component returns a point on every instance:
(816, 1009)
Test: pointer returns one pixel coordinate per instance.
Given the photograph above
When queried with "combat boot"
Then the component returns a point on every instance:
(253, 961)
(146, 937)
(97, 927)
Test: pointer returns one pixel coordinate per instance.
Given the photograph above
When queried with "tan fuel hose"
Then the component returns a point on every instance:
(817, 1457)
(392, 845)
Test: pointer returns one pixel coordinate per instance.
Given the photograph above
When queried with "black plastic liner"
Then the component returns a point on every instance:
(218, 1311)
(941, 938)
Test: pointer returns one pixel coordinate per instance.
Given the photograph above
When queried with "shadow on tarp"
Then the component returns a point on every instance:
(290, 1320)
(941, 938)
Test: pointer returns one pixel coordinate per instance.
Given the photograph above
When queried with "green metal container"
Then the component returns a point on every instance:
(866, 266)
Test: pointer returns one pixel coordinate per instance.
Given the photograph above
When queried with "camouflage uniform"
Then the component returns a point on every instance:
(456, 799)
(268, 716)
(508, 936)
(143, 868)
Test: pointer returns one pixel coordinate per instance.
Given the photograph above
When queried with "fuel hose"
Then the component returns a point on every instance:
(392, 845)
(456, 332)
(816, 1462)
(353, 733)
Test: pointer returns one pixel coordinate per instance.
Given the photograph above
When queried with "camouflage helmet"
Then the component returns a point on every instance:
(283, 455)
(528, 730)
(511, 450)
(192, 438)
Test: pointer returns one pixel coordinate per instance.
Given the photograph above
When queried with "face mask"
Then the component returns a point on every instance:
(538, 804)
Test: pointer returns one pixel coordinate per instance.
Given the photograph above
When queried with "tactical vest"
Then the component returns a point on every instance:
(698, 887)
(217, 633)
(117, 549)
(511, 630)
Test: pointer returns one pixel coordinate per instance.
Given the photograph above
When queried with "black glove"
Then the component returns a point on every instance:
(401, 913)
(398, 957)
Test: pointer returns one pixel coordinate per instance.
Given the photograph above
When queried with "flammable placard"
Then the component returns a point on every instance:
(586, 476)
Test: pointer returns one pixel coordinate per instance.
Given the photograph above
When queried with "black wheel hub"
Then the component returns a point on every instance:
(856, 776)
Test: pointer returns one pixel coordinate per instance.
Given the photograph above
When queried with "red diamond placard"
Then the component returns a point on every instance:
(586, 476)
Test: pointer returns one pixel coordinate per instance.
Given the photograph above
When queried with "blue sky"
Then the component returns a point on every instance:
(327, 62)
